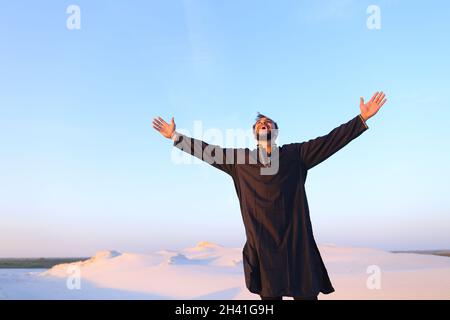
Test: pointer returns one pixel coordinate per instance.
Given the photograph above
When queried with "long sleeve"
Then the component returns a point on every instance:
(316, 150)
(220, 158)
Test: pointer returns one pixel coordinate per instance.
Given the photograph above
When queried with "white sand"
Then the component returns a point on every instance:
(210, 271)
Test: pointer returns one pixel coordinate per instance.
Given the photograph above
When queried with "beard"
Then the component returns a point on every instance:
(264, 137)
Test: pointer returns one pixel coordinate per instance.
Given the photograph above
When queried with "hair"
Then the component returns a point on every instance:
(260, 116)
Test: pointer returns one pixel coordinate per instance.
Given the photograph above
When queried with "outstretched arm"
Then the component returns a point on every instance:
(316, 150)
(218, 157)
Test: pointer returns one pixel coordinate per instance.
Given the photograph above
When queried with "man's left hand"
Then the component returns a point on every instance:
(370, 108)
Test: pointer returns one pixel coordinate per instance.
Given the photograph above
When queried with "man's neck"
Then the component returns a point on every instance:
(266, 145)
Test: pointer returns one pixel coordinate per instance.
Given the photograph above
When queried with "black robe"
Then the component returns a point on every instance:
(280, 256)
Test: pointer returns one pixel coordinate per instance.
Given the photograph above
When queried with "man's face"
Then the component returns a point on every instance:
(264, 129)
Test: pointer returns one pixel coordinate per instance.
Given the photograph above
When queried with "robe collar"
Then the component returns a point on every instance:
(264, 158)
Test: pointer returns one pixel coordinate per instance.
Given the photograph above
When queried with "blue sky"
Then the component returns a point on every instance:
(82, 169)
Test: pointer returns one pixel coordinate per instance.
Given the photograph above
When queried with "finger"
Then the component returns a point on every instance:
(162, 120)
(157, 128)
(382, 102)
(172, 121)
(380, 97)
(377, 98)
(158, 122)
(373, 98)
(361, 100)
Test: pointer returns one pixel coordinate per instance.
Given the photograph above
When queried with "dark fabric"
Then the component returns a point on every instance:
(295, 298)
(280, 256)
(306, 298)
(271, 298)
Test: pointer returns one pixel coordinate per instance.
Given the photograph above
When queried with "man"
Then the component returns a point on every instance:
(280, 256)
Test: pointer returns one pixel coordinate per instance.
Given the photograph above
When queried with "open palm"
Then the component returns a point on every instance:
(166, 129)
(370, 108)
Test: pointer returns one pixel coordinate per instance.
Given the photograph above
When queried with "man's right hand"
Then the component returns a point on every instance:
(166, 129)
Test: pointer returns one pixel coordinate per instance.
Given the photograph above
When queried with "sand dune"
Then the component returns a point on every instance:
(211, 271)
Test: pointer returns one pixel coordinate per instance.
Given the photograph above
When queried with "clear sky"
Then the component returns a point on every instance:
(82, 169)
